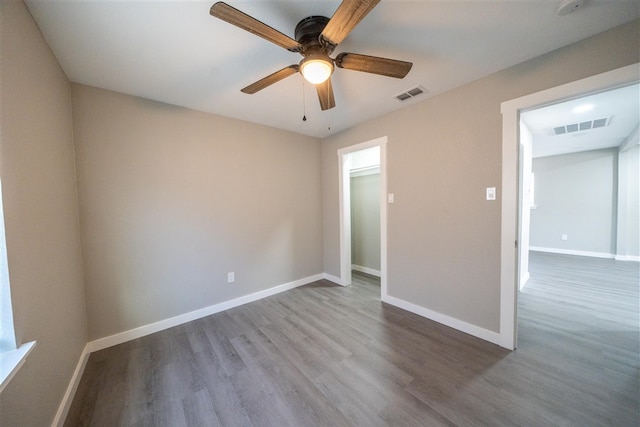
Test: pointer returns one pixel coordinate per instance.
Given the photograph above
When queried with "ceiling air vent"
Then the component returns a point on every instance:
(585, 125)
(575, 127)
(418, 90)
(600, 123)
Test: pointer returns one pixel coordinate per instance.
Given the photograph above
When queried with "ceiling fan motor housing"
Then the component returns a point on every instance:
(308, 32)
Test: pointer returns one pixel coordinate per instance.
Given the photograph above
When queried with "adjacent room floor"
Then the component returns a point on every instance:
(333, 356)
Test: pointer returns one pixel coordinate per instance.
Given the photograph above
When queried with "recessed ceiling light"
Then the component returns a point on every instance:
(583, 108)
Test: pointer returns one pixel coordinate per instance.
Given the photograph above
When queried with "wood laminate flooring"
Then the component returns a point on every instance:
(324, 355)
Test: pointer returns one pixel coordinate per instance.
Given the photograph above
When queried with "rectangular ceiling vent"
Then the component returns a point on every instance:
(418, 90)
(582, 126)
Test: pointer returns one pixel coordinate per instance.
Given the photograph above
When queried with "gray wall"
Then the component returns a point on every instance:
(575, 194)
(41, 219)
(173, 199)
(443, 237)
(365, 221)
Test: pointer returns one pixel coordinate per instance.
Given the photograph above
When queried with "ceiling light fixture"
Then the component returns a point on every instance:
(583, 108)
(316, 68)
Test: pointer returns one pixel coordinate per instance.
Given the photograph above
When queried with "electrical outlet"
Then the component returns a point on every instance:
(564, 237)
(231, 277)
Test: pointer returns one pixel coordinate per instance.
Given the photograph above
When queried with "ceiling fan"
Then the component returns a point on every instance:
(316, 37)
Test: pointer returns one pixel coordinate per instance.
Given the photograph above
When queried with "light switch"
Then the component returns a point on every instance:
(391, 198)
(491, 193)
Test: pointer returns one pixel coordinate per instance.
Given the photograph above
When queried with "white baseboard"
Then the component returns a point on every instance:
(161, 325)
(332, 278)
(572, 252)
(468, 328)
(366, 270)
(69, 394)
(524, 279)
(627, 258)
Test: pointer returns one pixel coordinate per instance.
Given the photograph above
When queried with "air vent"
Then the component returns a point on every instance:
(600, 123)
(575, 127)
(585, 125)
(418, 90)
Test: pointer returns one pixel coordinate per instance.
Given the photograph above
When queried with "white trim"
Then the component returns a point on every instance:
(370, 170)
(509, 228)
(627, 258)
(572, 252)
(11, 361)
(452, 322)
(344, 207)
(366, 270)
(510, 114)
(334, 279)
(383, 218)
(161, 325)
(524, 279)
(67, 399)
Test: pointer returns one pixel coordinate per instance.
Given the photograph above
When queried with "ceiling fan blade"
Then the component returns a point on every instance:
(240, 19)
(345, 18)
(373, 64)
(325, 95)
(271, 79)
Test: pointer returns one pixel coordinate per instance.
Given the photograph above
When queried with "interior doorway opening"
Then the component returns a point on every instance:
(583, 154)
(511, 184)
(367, 157)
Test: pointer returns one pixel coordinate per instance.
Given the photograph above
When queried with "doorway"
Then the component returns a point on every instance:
(350, 158)
(511, 188)
(583, 154)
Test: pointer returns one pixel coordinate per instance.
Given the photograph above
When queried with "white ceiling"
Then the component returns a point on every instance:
(621, 108)
(175, 52)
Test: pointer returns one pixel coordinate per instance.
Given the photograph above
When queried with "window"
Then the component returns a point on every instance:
(11, 358)
(7, 335)
(532, 194)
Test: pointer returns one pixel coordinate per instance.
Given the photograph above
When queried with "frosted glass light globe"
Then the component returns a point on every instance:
(316, 70)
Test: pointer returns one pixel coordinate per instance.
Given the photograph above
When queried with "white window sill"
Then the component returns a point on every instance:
(11, 361)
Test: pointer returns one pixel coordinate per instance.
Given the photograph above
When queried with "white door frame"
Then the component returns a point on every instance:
(510, 163)
(344, 191)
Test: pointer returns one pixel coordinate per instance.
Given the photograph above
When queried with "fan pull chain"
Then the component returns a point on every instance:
(304, 104)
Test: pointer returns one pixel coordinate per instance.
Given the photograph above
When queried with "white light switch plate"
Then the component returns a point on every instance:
(491, 193)
(392, 198)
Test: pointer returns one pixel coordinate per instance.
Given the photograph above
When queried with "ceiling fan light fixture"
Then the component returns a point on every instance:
(316, 69)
